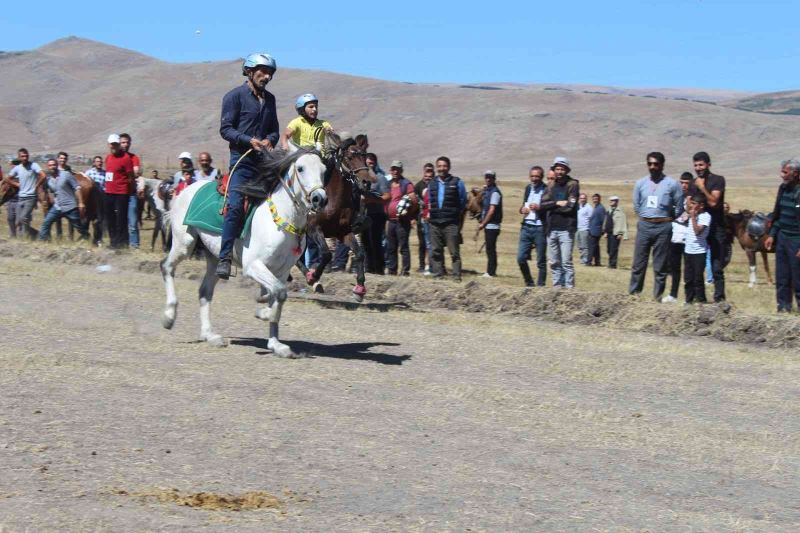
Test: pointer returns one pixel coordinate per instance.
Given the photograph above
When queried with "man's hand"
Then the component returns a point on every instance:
(700, 183)
(768, 243)
(257, 144)
(533, 206)
(525, 210)
(561, 203)
(619, 237)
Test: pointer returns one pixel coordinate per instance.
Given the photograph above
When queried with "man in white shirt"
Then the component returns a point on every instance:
(585, 210)
(206, 171)
(532, 232)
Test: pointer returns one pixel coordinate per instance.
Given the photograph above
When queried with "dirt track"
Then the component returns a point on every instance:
(431, 421)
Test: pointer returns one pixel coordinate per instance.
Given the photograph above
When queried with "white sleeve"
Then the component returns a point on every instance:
(495, 199)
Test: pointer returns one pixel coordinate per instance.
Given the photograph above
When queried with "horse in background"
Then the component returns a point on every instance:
(158, 195)
(750, 229)
(342, 218)
(291, 185)
(475, 202)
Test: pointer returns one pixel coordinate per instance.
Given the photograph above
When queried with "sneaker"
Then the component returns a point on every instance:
(224, 269)
(668, 299)
(486, 275)
(428, 273)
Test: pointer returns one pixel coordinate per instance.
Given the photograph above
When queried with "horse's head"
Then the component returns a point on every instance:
(475, 202)
(347, 155)
(307, 175)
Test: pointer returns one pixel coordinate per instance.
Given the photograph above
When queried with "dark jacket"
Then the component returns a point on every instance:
(450, 212)
(786, 213)
(596, 220)
(244, 117)
(564, 217)
(497, 217)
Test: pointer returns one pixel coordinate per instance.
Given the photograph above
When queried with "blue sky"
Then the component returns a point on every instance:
(740, 45)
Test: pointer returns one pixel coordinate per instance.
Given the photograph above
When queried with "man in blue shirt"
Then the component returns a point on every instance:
(657, 200)
(249, 121)
(448, 198)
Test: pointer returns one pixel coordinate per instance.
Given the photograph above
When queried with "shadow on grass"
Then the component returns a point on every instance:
(359, 351)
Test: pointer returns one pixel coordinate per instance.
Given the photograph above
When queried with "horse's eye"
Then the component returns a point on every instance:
(300, 169)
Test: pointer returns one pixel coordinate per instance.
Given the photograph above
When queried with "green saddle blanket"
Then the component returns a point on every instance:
(204, 211)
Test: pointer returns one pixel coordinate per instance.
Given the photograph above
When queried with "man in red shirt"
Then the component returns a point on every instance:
(134, 212)
(119, 176)
(399, 226)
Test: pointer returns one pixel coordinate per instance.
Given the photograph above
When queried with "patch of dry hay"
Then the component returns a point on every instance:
(210, 501)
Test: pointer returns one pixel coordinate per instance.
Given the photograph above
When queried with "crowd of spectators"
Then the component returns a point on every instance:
(681, 223)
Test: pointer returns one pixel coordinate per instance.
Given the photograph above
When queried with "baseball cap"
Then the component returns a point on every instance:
(563, 161)
(396, 163)
(614, 198)
(113, 139)
(489, 173)
(185, 155)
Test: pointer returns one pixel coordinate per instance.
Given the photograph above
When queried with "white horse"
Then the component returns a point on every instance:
(266, 253)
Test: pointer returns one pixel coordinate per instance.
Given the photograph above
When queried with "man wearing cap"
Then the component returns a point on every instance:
(185, 161)
(560, 202)
(657, 200)
(491, 218)
(447, 199)
(27, 177)
(119, 176)
(532, 232)
(249, 121)
(616, 229)
(399, 226)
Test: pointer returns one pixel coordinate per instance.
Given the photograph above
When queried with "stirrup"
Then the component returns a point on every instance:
(224, 269)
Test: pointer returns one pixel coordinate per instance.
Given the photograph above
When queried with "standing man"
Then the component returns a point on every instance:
(657, 200)
(134, 192)
(28, 176)
(119, 176)
(375, 197)
(491, 218)
(249, 120)
(399, 226)
(560, 201)
(678, 240)
(98, 175)
(532, 232)
(206, 171)
(596, 221)
(67, 202)
(185, 162)
(423, 233)
(582, 234)
(447, 197)
(616, 230)
(11, 203)
(784, 235)
(712, 186)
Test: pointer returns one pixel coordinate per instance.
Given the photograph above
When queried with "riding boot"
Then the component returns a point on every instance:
(224, 269)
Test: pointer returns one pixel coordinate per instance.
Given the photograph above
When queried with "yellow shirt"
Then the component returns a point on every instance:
(303, 131)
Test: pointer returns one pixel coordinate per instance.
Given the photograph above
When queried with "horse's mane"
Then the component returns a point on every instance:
(271, 168)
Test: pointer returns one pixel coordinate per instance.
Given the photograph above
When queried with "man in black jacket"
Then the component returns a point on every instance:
(560, 201)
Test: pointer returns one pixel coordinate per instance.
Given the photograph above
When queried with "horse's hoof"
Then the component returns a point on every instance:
(262, 313)
(360, 290)
(310, 276)
(318, 288)
(167, 322)
(358, 298)
(217, 341)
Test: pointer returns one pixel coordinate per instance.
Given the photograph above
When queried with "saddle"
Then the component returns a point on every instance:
(758, 226)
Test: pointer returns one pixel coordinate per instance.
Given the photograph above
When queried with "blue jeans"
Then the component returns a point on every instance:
(54, 214)
(531, 236)
(133, 222)
(234, 217)
(560, 243)
(787, 272)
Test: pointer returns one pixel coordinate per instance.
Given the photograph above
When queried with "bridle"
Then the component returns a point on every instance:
(287, 182)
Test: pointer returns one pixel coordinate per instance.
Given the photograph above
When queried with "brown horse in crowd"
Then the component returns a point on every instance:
(475, 202)
(342, 218)
(738, 225)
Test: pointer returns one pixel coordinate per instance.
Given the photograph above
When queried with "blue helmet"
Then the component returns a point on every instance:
(304, 99)
(258, 60)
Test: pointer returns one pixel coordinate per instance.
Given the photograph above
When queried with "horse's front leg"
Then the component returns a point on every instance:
(766, 267)
(274, 294)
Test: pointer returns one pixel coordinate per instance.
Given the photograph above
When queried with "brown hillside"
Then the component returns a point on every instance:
(71, 93)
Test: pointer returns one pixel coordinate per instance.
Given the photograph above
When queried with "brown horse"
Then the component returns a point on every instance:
(737, 223)
(475, 202)
(342, 218)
